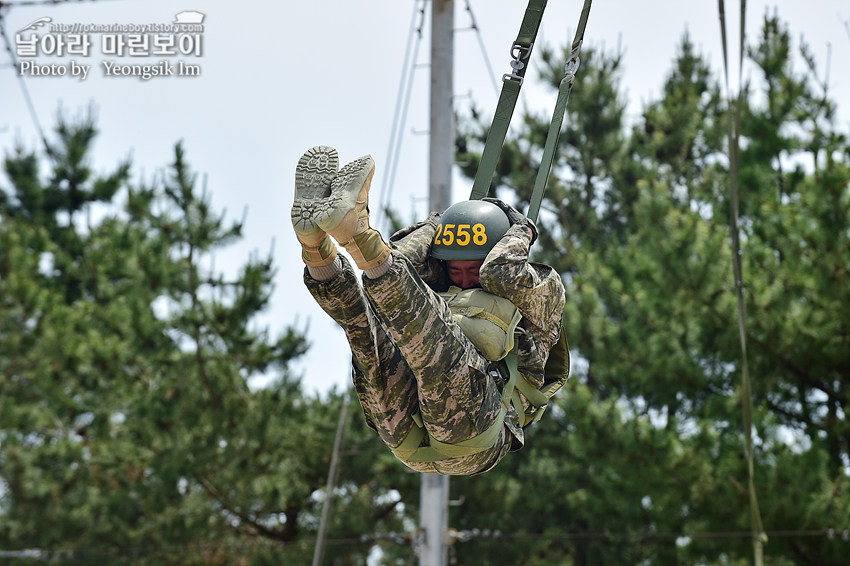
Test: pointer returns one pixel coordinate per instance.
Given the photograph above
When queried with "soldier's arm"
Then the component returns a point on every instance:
(536, 289)
(414, 243)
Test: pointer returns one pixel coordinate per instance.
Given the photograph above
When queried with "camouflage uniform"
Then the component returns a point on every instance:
(410, 356)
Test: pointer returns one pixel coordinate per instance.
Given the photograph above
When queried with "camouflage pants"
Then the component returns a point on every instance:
(410, 357)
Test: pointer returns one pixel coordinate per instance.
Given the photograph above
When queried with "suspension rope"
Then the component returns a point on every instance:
(511, 84)
(566, 85)
(521, 53)
(759, 537)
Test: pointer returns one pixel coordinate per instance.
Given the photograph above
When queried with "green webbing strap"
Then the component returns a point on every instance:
(511, 83)
(411, 449)
(534, 396)
(517, 383)
(510, 393)
(733, 132)
(558, 116)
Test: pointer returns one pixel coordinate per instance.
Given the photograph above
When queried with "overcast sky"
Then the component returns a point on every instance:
(276, 78)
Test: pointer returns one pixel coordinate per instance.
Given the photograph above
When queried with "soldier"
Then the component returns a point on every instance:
(438, 386)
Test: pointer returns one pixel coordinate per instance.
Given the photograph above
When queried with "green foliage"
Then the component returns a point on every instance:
(128, 430)
(642, 461)
(127, 427)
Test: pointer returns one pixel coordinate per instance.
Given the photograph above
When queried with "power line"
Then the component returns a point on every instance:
(484, 55)
(30, 3)
(22, 82)
(402, 105)
(333, 474)
(4, 7)
(832, 534)
(404, 95)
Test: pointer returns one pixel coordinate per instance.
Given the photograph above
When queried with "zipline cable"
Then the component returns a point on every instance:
(759, 538)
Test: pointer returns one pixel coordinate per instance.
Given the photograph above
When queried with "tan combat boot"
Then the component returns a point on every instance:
(346, 217)
(313, 175)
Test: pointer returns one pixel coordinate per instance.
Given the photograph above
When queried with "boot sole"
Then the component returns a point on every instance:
(313, 176)
(349, 183)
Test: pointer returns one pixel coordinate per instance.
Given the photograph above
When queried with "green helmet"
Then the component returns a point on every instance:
(468, 230)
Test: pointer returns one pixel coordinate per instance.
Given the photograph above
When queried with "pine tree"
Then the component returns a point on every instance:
(644, 445)
(127, 426)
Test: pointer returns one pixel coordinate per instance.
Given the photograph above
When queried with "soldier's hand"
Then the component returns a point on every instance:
(515, 216)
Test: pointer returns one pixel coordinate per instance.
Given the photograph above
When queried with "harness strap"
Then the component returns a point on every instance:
(511, 84)
(411, 449)
(517, 383)
(554, 133)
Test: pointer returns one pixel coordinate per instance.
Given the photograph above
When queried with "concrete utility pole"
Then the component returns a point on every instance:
(441, 146)
(434, 491)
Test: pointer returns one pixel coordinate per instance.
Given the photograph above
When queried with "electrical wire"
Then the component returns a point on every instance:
(403, 102)
(30, 3)
(4, 6)
(484, 55)
(22, 82)
(402, 106)
(832, 534)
